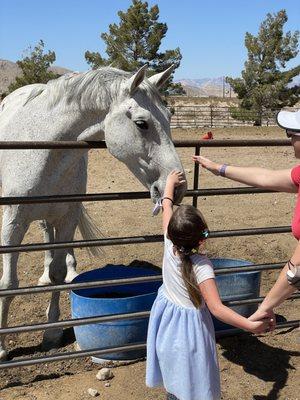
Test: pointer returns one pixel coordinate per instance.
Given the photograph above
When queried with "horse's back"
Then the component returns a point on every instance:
(16, 109)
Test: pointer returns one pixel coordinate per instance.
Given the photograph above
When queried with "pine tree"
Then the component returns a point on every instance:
(135, 41)
(266, 84)
(35, 67)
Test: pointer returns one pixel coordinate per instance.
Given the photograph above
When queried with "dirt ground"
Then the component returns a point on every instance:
(252, 367)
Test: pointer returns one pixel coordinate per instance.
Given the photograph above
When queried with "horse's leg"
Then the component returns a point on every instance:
(13, 231)
(48, 232)
(71, 266)
(57, 272)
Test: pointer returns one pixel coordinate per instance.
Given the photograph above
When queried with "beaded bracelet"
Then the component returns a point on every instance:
(222, 170)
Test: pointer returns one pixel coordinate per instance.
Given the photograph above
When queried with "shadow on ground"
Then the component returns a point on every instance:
(267, 363)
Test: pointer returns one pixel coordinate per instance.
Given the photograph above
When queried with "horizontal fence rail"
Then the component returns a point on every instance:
(68, 198)
(195, 193)
(111, 282)
(41, 145)
(25, 362)
(112, 318)
(135, 240)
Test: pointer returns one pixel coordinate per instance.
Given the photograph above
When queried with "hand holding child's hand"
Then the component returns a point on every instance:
(207, 164)
(175, 178)
(261, 314)
(261, 326)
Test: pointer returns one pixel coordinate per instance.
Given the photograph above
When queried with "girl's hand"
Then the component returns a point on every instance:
(260, 326)
(261, 314)
(175, 178)
(207, 164)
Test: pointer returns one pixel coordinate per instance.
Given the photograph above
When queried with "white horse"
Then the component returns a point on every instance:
(124, 109)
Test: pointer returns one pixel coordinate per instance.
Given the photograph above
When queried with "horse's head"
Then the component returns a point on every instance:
(137, 132)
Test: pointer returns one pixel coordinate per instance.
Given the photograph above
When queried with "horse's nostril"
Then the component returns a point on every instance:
(155, 192)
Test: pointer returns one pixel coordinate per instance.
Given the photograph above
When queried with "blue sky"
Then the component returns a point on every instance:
(210, 34)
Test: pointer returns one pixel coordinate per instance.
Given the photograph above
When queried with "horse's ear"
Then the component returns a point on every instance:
(137, 79)
(160, 79)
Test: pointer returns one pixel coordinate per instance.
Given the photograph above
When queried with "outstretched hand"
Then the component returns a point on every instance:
(175, 178)
(207, 164)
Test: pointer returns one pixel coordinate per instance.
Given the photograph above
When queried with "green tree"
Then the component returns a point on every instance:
(35, 67)
(135, 41)
(266, 84)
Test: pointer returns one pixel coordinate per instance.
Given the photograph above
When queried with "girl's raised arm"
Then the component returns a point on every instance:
(174, 179)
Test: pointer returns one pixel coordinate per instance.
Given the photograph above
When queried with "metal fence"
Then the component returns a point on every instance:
(194, 193)
(196, 116)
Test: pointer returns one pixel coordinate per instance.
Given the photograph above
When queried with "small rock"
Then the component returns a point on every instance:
(107, 384)
(93, 392)
(104, 374)
(188, 170)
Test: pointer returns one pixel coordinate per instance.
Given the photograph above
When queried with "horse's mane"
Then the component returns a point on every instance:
(23, 94)
(91, 90)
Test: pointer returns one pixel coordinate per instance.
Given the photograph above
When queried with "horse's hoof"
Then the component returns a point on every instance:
(70, 276)
(3, 355)
(52, 339)
(44, 281)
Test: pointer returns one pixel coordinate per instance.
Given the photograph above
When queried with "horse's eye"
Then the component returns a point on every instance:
(141, 124)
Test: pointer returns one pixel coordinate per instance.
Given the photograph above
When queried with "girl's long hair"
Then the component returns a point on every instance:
(186, 228)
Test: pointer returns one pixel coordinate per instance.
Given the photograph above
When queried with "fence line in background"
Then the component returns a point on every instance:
(197, 116)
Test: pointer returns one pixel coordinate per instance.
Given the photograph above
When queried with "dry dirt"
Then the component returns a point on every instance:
(252, 367)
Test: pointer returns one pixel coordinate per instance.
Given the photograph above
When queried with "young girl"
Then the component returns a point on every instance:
(181, 348)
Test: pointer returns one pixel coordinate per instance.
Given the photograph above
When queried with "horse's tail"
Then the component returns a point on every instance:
(89, 231)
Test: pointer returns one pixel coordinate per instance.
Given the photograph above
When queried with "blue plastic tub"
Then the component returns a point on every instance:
(121, 299)
(140, 297)
(236, 286)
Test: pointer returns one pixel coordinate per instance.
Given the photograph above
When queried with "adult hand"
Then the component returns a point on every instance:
(207, 164)
(259, 326)
(262, 314)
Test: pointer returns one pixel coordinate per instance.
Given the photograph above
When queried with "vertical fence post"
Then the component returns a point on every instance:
(228, 115)
(196, 176)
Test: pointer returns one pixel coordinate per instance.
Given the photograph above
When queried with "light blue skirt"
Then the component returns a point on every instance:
(181, 351)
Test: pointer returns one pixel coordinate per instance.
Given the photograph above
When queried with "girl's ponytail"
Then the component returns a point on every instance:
(186, 229)
(189, 278)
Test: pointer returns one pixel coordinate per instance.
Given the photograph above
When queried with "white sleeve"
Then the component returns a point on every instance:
(203, 270)
(167, 244)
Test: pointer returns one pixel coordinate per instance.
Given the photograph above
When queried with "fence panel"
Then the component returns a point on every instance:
(208, 114)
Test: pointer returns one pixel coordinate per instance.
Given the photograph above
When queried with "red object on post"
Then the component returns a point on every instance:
(207, 136)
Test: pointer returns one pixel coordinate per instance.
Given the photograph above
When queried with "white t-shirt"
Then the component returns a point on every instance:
(174, 285)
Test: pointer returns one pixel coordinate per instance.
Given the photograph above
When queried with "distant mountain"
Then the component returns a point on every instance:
(203, 87)
(215, 87)
(206, 87)
(10, 70)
